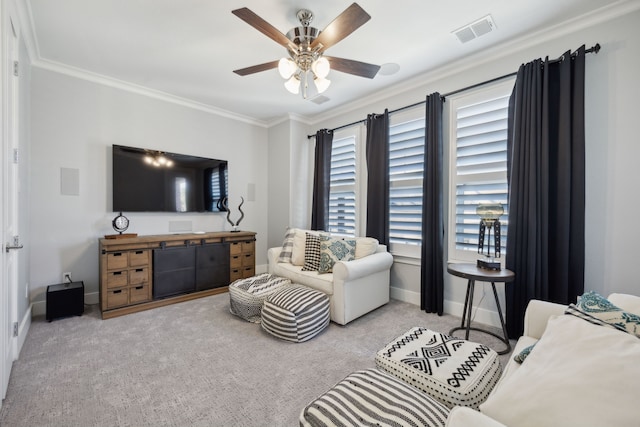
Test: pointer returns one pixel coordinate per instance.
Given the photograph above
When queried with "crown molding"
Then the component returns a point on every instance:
(598, 16)
(142, 90)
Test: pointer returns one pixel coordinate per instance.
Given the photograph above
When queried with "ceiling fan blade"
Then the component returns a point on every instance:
(356, 68)
(263, 26)
(257, 68)
(346, 23)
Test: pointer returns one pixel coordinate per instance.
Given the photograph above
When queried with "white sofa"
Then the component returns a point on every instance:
(582, 371)
(355, 287)
(578, 374)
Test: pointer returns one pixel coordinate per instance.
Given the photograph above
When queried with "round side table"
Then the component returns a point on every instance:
(473, 273)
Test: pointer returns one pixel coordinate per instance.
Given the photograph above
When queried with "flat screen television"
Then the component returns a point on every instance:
(158, 181)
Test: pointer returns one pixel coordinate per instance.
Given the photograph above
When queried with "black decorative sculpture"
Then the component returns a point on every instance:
(235, 226)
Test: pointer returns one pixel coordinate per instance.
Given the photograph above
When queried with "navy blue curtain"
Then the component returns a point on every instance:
(321, 183)
(378, 176)
(432, 272)
(546, 170)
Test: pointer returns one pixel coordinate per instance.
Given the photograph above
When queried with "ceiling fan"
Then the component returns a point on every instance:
(306, 46)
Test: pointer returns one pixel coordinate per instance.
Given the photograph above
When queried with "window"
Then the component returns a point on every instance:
(406, 164)
(478, 165)
(342, 192)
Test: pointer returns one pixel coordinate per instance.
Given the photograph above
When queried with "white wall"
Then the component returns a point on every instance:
(73, 125)
(279, 193)
(612, 93)
(289, 177)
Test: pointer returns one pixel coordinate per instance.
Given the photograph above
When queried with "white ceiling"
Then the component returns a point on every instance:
(189, 48)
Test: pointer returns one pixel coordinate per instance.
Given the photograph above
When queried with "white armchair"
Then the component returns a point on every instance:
(354, 288)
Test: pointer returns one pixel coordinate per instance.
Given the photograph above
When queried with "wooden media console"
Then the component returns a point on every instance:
(182, 267)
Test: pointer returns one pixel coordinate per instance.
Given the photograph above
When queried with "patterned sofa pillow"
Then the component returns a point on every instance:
(287, 246)
(311, 252)
(598, 310)
(333, 250)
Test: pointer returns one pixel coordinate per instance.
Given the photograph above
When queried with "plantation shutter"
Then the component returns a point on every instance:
(481, 165)
(406, 164)
(342, 195)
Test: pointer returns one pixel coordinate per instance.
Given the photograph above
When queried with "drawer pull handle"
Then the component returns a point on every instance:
(118, 291)
(117, 254)
(117, 273)
(139, 287)
(139, 270)
(139, 252)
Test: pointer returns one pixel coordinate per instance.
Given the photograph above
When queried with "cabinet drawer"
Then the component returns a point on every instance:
(235, 248)
(138, 275)
(235, 274)
(117, 297)
(236, 261)
(138, 258)
(117, 260)
(140, 293)
(248, 260)
(117, 279)
(248, 246)
(248, 272)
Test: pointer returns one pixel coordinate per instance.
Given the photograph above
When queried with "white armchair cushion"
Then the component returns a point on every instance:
(366, 246)
(579, 374)
(297, 253)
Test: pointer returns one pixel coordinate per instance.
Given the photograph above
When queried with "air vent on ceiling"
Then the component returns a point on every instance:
(320, 99)
(475, 29)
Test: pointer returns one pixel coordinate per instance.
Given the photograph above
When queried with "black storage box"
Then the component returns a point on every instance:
(65, 299)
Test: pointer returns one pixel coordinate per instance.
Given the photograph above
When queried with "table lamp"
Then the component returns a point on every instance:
(489, 214)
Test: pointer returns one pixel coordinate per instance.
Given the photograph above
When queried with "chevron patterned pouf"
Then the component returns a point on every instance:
(295, 313)
(374, 398)
(452, 370)
(246, 296)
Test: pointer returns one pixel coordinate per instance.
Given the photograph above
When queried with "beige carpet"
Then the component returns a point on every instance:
(190, 364)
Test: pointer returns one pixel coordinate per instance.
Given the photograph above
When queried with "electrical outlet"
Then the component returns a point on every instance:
(66, 277)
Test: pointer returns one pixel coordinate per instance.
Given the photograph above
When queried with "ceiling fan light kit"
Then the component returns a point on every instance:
(306, 45)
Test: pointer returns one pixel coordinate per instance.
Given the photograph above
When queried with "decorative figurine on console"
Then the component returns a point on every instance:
(235, 226)
(489, 214)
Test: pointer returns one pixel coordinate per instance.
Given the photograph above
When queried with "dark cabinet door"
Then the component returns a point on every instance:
(212, 266)
(174, 271)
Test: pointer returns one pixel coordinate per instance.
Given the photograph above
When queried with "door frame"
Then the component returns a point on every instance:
(9, 127)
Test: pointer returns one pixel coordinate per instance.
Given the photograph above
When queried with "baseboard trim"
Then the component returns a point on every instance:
(262, 268)
(23, 330)
(478, 315)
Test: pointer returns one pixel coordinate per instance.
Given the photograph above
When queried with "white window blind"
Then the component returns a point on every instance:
(406, 164)
(342, 193)
(480, 167)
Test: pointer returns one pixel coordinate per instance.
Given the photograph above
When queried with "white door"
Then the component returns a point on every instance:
(10, 191)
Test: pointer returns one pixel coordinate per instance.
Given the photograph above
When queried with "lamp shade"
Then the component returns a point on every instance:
(286, 67)
(489, 211)
(322, 84)
(321, 67)
(293, 85)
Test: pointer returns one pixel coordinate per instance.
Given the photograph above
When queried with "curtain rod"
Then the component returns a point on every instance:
(593, 49)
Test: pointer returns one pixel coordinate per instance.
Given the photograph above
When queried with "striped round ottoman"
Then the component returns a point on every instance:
(374, 398)
(295, 313)
(454, 371)
(246, 296)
